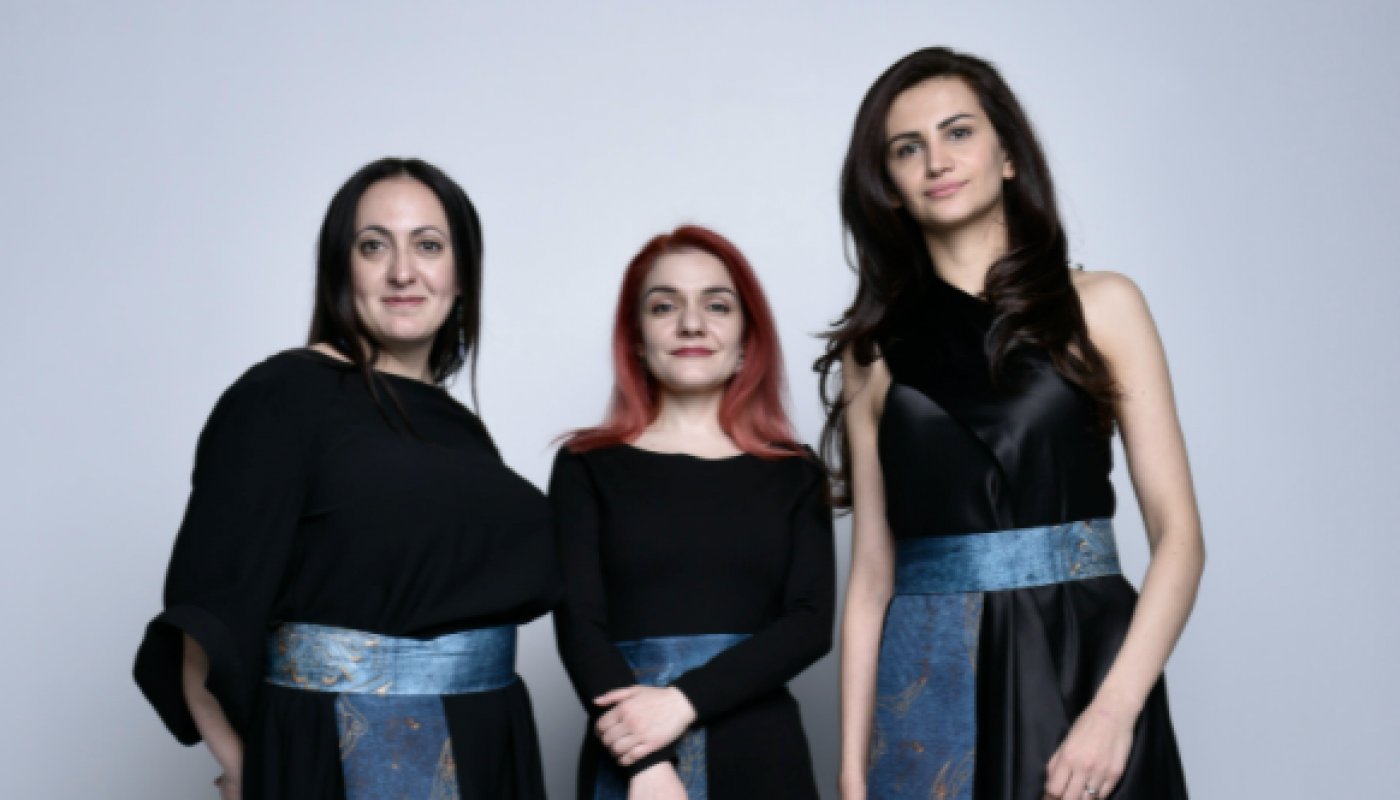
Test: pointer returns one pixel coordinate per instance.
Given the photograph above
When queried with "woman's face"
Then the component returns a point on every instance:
(943, 156)
(692, 323)
(402, 265)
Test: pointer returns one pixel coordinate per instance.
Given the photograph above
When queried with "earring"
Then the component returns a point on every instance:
(461, 334)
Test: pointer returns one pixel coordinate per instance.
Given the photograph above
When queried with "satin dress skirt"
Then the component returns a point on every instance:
(992, 646)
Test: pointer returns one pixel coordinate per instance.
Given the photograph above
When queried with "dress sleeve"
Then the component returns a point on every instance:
(230, 555)
(775, 655)
(594, 664)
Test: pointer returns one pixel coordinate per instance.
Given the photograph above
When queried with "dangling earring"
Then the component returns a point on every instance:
(461, 334)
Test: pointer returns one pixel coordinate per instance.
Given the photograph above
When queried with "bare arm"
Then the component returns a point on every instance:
(209, 717)
(1121, 326)
(871, 581)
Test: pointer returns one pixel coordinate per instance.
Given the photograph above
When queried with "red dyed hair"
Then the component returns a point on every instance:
(751, 412)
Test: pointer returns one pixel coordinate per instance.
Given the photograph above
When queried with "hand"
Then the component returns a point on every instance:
(657, 782)
(230, 787)
(851, 786)
(1092, 756)
(642, 721)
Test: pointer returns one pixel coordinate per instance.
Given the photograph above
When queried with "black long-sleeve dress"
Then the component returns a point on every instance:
(309, 506)
(663, 545)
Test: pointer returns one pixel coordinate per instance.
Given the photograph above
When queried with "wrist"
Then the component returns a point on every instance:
(687, 710)
(1116, 703)
(654, 772)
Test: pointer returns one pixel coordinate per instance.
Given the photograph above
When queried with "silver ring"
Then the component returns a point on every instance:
(1091, 792)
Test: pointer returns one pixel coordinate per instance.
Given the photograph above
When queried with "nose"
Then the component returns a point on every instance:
(401, 269)
(690, 321)
(938, 160)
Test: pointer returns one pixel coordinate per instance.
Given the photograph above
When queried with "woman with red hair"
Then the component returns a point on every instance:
(697, 543)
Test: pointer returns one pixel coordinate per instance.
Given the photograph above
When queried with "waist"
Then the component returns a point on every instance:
(1014, 559)
(320, 658)
(660, 660)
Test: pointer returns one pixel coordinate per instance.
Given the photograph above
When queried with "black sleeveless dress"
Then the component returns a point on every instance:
(978, 689)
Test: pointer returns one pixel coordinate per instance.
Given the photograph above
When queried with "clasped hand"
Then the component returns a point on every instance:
(642, 720)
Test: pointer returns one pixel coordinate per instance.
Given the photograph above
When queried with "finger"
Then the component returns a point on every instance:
(637, 753)
(607, 721)
(1058, 779)
(622, 746)
(617, 695)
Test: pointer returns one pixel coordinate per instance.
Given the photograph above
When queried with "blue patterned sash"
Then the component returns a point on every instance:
(659, 662)
(1015, 559)
(394, 737)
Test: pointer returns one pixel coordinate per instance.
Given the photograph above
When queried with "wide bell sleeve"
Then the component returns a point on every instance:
(594, 663)
(230, 555)
(794, 641)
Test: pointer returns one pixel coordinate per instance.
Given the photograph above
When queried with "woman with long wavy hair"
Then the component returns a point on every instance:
(696, 542)
(341, 606)
(991, 647)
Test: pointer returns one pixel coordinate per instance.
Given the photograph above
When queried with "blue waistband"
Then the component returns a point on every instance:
(1015, 559)
(320, 658)
(659, 661)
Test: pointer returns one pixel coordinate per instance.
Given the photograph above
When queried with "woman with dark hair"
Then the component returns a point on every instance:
(342, 602)
(991, 647)
(696, 541)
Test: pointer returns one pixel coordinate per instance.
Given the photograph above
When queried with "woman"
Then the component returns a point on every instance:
(697, 544)
(991, 648)
(341, 604)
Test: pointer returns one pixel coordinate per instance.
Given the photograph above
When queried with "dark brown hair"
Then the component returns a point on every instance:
(1029, 288)
(335, 322)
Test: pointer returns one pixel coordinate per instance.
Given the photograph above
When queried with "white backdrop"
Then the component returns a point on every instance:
(164, 167)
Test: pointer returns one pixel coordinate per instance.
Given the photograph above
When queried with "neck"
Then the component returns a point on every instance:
(962, 256)
(406, 361)
(689, 414)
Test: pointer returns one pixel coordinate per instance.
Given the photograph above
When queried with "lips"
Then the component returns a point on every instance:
(693, 352)
(942, 190)
(403, 302)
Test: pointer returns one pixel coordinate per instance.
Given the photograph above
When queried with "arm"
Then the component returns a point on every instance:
(1120, 325)
(595, 666)
(223, 741)
(871, 581)
(766, 661)
(227, 562)
(760, 665)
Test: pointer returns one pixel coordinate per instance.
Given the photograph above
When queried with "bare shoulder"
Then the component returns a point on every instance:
(863, 385)
(1110, 300)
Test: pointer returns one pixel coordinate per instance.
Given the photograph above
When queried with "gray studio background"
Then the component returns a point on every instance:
(164, 167)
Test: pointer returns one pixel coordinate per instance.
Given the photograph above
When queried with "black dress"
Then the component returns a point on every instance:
(662, 545)
(308, 506)
(960, 456)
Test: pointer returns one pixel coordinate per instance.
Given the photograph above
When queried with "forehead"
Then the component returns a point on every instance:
(929, 103)
(401, 201)
(688, 270)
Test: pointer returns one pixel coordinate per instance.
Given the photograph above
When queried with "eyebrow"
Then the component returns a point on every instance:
(385, 231)
(674, 290)
(941, 126)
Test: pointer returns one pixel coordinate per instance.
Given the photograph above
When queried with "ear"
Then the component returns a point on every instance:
(1008, 170)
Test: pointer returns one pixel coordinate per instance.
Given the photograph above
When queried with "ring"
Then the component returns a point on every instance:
(1091, 792)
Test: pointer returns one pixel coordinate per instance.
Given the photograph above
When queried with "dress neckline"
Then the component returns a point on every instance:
(688, 456)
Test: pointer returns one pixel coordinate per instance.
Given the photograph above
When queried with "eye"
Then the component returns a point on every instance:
(906, 149)
(662, 306)
(718, 307)
(369, 247)
(431, 246)
(959, 133)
